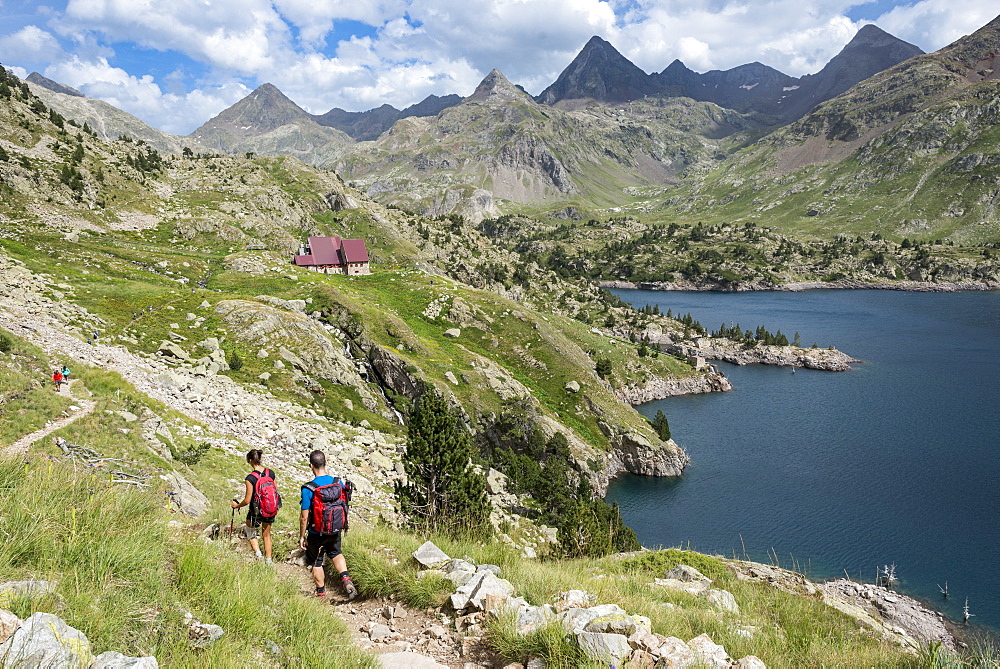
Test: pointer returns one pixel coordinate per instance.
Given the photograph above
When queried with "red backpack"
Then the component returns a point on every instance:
(265, 494)
(328, 509)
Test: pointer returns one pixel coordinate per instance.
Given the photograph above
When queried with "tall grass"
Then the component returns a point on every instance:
(126, 582)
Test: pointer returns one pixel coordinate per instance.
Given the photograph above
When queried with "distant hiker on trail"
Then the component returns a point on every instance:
(322, 522)
(65, 373)
(264, 500)
(57, 378)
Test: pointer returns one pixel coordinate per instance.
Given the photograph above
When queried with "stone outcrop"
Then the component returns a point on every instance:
(897, 618)
(830, 360)
(604, 633)
(674, 386)
(301, 341)
(184, 497)
(635, 454)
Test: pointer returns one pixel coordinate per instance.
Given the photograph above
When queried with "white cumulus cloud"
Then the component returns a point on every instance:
(142, 97)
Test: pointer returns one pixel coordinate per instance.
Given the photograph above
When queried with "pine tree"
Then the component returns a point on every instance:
(660, 424)
(442, 492)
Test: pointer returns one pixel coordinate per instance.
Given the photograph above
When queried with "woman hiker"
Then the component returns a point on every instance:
(57, 378)
(255, 518)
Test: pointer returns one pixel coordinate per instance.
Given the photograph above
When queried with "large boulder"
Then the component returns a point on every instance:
(673, 652)
(44, 640)
(171, 350)
(184, 496)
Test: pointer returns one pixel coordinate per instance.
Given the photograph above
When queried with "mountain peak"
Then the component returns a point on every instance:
(601, 73)
(265, 109)
(54, 86)
(495, 85)
(871, 51)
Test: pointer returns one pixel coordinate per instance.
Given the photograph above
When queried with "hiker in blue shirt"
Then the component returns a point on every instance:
(316, 545)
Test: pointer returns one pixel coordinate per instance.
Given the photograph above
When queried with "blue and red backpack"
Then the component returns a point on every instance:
(329, 506)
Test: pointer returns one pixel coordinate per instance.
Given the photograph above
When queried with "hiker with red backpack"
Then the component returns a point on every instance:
(57, 378)
(264, 501)
(322, 522)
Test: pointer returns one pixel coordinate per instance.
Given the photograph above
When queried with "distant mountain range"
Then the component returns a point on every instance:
(913, 150)
(576, 143)
(600, 73)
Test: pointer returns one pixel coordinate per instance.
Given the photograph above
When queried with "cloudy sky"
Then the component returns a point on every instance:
(177, 63)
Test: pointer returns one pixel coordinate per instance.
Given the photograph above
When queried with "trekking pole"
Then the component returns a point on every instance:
(231, 519)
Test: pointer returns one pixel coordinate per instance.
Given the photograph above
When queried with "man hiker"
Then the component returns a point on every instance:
(65, 373)
(324, 540)
(57, 378)
(263, 504)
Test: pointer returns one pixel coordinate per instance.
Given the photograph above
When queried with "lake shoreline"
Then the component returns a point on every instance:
(797, 287)
(833, 468)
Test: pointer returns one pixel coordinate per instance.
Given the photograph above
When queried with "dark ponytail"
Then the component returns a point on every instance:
(255, 456)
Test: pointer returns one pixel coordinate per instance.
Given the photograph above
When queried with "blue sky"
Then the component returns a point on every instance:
(176, 64)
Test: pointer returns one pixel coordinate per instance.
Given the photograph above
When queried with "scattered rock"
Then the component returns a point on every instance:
(202, 635)
(409, 660)
(29, 588)
(601, 647)
(8, 624)
(454, 333)
(749, 662)
(379, 633)
(44, 640)
(574, 599)
(115, 660)
(721, 599)
(430, 556)
(573, 386)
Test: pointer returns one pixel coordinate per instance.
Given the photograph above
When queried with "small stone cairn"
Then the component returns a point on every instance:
(604, 632)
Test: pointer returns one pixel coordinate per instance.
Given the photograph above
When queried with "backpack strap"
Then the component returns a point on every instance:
(311, 486)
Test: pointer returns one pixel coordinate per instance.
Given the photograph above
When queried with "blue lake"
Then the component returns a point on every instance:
(896, 461)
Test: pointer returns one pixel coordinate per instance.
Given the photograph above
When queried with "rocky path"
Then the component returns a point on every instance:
(79, 410)
(246, 418)
(402, 637)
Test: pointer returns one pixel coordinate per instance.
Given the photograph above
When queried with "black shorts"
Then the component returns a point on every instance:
(318, 545)
(254, 519)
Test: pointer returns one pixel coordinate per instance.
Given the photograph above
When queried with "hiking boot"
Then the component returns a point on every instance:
(349, 587)
(321, 596)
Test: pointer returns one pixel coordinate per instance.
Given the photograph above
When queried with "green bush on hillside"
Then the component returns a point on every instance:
(5, 343)
(543, 469)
